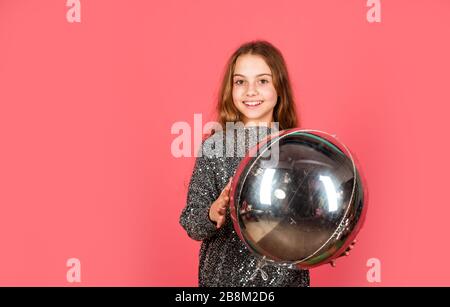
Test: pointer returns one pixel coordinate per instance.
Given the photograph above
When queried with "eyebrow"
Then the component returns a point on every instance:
(235, 75)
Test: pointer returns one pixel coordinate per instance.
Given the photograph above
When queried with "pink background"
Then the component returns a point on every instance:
(86, 111)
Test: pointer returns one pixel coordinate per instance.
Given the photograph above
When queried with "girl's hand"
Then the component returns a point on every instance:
(347, 252)
(218, 208)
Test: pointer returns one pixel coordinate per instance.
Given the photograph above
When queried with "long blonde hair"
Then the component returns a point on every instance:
(284, 111)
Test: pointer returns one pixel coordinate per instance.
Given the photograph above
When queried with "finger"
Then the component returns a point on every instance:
(333, 263)
(347, 253)
(229, 182)
(222, 200)
(221, 205)
(220, 221)
(224, 191)
(228, 186)
(221, 211)
(225, 202)
(227, 189)
(350, 247)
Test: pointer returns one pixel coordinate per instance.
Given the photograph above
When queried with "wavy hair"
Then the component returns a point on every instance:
(284, 111)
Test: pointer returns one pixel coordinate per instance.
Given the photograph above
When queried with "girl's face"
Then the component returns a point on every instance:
(254, 94)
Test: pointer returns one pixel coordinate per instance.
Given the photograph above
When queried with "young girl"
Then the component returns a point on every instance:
(257, 92)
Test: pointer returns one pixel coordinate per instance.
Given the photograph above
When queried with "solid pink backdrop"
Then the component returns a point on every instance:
(86, 110)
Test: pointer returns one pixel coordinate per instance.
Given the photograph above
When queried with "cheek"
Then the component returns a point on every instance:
(270, 94)
(236, 94)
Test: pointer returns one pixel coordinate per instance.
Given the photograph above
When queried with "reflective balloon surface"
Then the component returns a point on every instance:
(298, 198)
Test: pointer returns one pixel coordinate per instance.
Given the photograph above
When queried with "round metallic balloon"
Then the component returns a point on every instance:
(298, 198)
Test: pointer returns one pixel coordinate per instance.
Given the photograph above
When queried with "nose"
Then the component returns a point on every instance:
(251, 91)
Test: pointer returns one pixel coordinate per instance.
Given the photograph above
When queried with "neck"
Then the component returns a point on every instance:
(258, 124)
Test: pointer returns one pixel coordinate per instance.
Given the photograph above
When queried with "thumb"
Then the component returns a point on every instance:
(229, 182)
(227, 188)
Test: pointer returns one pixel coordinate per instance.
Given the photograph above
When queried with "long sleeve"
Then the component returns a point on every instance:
(224, 259)
(201, 194)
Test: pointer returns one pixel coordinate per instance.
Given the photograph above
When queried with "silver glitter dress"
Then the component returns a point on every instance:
(225, 261)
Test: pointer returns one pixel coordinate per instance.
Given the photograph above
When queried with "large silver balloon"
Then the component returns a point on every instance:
(298, 198)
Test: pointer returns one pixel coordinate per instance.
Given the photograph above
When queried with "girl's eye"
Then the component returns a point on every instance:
(240, 82)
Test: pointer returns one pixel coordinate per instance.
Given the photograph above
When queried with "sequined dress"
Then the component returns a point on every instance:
(225, 261)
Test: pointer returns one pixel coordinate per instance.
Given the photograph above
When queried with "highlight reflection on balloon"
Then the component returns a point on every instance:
(298, 198)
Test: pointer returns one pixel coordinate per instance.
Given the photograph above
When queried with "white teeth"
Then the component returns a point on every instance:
(252, 103)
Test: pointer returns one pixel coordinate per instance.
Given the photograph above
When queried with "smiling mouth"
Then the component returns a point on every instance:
(253, 103)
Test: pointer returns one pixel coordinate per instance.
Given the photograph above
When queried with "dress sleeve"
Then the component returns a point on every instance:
(201, 194)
